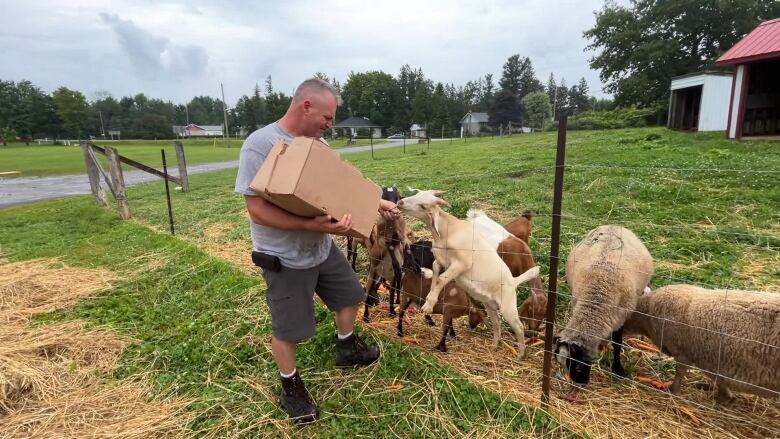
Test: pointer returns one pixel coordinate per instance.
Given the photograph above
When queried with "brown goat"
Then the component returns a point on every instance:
(517, 255)
(521, 227)
(386, 247)
(453, 302)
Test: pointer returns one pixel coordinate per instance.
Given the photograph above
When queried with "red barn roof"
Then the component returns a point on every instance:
(762, 43)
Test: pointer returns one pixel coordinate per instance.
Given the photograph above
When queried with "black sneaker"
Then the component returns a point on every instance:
(295, 400)
(353, 351)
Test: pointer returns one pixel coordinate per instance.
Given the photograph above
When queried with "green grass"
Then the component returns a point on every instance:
(706, 207)
(342, 143)
(203, 328)
(47, 160)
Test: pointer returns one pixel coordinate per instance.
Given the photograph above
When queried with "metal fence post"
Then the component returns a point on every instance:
(554, 259)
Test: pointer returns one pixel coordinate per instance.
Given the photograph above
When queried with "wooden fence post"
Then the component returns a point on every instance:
(94, 176)
(118, 180)
(185, 182)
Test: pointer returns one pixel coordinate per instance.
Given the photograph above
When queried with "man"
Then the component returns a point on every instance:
(309, 260)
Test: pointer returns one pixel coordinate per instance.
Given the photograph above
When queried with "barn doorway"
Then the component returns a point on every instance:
(685, 106)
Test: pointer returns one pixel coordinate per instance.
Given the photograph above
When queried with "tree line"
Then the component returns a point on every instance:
(395, 102)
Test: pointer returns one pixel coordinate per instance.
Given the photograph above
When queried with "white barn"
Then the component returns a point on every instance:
(700, 101)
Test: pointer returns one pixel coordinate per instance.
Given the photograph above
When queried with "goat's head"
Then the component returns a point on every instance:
(424, 205)
(390, 193)
(533, 310)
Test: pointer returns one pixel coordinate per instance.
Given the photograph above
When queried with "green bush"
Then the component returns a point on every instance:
(631, 117)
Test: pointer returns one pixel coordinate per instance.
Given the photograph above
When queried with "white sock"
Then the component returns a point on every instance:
(342, 337)
(288, 375)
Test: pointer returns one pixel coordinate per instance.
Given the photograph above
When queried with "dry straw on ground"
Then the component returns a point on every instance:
(236, 252)
(49, 374)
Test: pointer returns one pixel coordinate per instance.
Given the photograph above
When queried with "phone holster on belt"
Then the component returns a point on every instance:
(262, 260)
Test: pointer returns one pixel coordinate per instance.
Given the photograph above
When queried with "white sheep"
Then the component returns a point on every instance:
(606, 272)
(733, 336)
(470, 261)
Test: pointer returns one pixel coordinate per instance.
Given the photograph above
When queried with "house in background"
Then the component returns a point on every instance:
(472, 123)
(193, 130)
(754, 108)
(417, 130)
(352, 124)
(700, 101)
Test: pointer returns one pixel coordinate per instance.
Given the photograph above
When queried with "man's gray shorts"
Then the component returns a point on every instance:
(291, 300)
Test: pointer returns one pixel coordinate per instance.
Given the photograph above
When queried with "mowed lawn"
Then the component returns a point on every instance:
(706, 207)
(47, 160)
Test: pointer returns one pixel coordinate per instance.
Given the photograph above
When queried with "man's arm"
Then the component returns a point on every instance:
(266, 214)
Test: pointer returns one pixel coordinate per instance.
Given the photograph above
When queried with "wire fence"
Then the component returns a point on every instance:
(723, 337)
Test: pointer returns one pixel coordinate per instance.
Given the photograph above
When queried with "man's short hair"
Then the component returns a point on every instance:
(315, 85)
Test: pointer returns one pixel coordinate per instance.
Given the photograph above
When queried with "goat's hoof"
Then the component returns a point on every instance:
(366, 320)
(400, 333)
(392, 312)
(429, 321)
(441, 348)
(619, 371)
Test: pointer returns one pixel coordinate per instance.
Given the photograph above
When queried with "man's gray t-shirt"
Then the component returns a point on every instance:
(296, 249)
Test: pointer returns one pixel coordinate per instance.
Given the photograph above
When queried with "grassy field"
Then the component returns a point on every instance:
(705, 206)
(707, 209)
(46, 160)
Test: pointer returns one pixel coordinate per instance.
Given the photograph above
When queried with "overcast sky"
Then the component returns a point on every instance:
(178, 49)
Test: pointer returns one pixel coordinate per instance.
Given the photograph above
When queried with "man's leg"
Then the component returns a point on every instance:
(291, 307)
(284, 355)
(345, 320)
(338, 287)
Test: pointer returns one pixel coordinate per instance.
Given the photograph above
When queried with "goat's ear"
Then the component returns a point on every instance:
(442, 202)
(433, 215)
(437, 193)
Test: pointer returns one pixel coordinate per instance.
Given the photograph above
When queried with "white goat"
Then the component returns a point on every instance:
(470, 261)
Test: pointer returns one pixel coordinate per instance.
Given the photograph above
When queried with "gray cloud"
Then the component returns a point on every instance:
(151, 55)
(176, 49)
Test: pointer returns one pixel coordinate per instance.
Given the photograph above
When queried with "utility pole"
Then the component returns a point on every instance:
(224, 111)
(102, 131)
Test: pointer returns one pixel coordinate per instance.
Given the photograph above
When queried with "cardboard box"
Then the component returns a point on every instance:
(307, 178)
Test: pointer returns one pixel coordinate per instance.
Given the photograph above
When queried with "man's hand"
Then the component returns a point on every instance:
(325, 224)
(388, 210)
